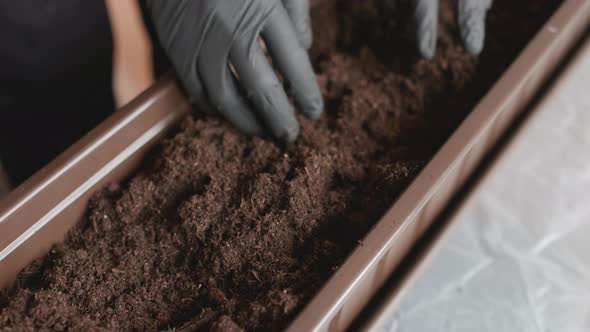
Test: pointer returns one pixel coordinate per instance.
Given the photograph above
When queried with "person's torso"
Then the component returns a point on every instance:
(55, 55)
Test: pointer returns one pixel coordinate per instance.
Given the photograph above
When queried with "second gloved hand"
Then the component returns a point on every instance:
(471, 15)
(215, 48)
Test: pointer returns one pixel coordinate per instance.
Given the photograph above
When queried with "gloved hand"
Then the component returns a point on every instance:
(471, 15)
(215, 47)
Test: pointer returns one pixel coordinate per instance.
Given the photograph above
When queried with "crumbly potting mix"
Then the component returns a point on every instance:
(219, 231)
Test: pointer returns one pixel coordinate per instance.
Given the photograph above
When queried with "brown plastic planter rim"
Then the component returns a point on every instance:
(39, 212)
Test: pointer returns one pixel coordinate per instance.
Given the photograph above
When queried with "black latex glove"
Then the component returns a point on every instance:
(203, 38)
(471, 15)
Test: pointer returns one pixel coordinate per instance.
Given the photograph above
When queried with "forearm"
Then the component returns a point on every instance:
(132, 58)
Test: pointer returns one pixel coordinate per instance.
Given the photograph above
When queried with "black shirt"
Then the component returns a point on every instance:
(55, 78)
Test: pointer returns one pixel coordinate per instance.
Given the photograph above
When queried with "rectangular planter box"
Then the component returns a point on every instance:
(41, 211)
(541, 131)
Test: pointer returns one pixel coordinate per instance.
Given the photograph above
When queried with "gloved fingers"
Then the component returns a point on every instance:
(471, 16)
(166, 15)
(225, 96)
(298, 10)
(263, 88)
(426, 26)
(220, 85)
(293, 62)
(195, 90)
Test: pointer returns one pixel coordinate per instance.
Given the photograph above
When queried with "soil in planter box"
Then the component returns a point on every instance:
(221, 232)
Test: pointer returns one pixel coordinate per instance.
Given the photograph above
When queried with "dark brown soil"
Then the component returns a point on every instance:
(221, 232)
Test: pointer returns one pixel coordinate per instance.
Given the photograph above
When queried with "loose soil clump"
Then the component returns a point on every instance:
(222, 232)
